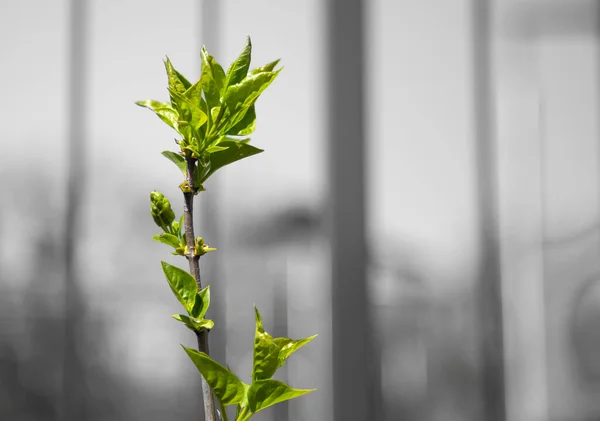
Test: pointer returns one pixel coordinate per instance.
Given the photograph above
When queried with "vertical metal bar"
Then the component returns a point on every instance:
(73, 385)
(346, 218)
(281, 411)
(209, 201)
(489, 292)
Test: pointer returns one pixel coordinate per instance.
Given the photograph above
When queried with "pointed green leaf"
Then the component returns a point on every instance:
(177, 160)
(188, 111)
(270, 353)
(168, 239)
(215, 148)
(202, 303)
(224, 384)
(246, 125)
(236, 150)
(163, 110)
(242, 95)
(265, 393)
(212, 78)
(288, 346)
(266, 352)
(239, 68)
(177, 81)
(194, 324)
(182, 284)
(266, 68)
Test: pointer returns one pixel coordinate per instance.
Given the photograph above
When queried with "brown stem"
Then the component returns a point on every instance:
(194, 261)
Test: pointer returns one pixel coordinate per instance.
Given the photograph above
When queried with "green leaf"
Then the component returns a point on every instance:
(235, 151)
(265, 393)
(239, 68)
(270, 353)
(224, 384)
(168, 239)
(215, 148)
(177, 82)
(266, 68)
(242, 95)
(193, 323)
(266, 352)
(182, 284)
(163, 110)
(188, 111)
(202, 303)
(177, 160)
(246, 125)
(288, 346)
(212, 78)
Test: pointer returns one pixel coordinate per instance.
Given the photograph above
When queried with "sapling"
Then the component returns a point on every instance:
(213, 118)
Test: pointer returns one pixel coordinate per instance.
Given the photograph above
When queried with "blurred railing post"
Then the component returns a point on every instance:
(209, 201)
(489, 289)
(73, 399)
(351, 343)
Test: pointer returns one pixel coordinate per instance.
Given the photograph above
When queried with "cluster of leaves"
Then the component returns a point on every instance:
(173, 234)
(264, 391)
(214, 115)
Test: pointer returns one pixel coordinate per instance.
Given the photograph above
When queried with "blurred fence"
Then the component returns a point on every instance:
(428, 203)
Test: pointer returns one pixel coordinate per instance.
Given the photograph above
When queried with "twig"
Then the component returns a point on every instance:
(194, 261)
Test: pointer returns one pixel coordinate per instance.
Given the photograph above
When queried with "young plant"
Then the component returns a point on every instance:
(213, 118)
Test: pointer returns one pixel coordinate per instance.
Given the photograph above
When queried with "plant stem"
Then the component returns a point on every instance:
(194, 261)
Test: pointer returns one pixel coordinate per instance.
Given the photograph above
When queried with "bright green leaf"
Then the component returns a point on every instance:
(194, 324)
(265, 393)
(212, 78)
(266, 352)
(246, 125)
(288, 346)
(177, 160)
(242, 95)
(182, 284)
(239, 68)
(236, 150)
(202, 303)
(177, 82)
(163, 110)
(224, 384)
(168, 239)
(270, 353)
(215, 148)
(188, 111)
(266, 68)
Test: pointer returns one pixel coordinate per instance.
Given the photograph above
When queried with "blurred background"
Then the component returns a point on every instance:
(428, 203)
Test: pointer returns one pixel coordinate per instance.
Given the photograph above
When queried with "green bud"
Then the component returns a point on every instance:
(201, 248)
(161, 211)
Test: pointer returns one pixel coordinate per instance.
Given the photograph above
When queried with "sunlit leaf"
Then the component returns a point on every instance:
(182, 284)
(212, 78)
(194, 324)
(266, 352)
(239, 68)
(163, 110)
(225, 385)
(246, 125)
(202, 303)
(245, 93)
(168, 239)
(188, 111)
(177, 160)
(265, 393)
(177, 82)
(235, 151)
(266, 68)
